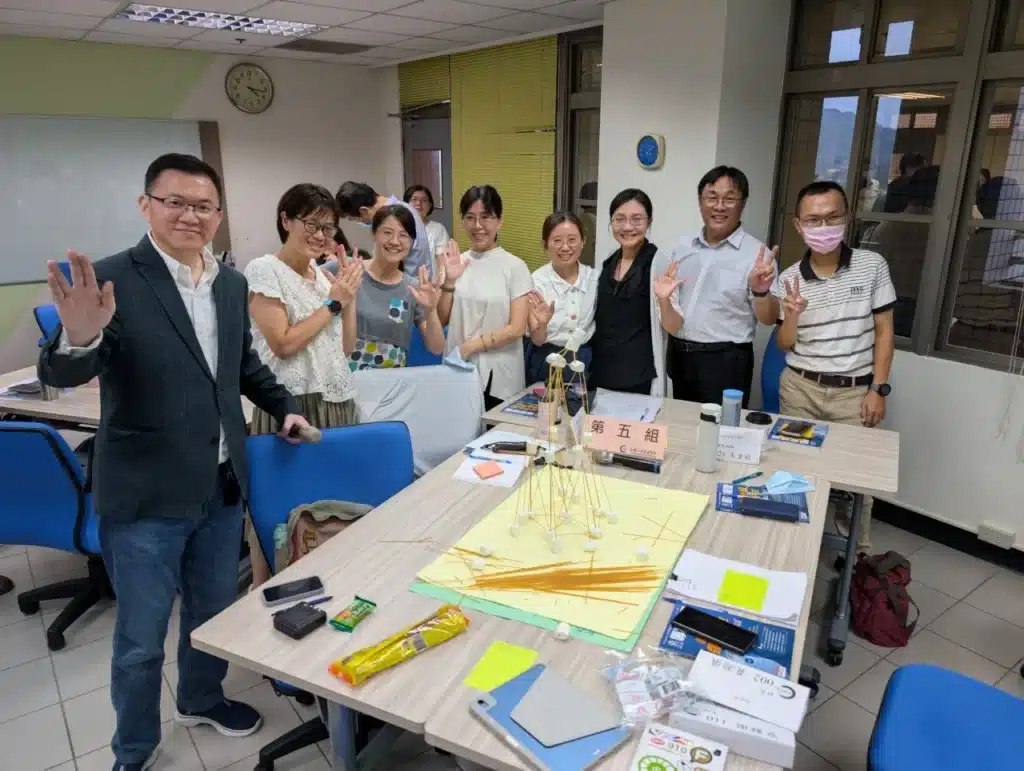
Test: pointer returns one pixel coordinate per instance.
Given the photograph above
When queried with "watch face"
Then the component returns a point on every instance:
(884, 389)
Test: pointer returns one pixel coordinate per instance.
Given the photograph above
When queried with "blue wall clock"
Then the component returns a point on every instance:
(650, 151)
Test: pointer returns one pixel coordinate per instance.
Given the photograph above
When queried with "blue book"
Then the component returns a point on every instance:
(799, 432)
(772, 652)
(727, 498)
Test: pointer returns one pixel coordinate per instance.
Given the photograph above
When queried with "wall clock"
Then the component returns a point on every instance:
(650, 151)
(249, 88)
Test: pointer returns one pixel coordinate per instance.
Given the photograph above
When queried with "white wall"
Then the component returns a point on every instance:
(328, 124)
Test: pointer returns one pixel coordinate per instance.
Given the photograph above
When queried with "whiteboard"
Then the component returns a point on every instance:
(74, 183)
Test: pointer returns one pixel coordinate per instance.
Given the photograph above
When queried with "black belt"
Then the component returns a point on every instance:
(835, 381)
(688, 346)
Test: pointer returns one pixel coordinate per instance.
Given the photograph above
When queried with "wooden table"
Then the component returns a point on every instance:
(379, 557)
(77, 408)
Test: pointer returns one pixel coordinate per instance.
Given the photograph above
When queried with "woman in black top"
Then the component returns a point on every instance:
(623, 347)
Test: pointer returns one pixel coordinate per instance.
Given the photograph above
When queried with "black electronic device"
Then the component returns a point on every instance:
(299, 620)
(715, 630)
(769, 509)
(759, 418)
(293, 590)
(509, 448)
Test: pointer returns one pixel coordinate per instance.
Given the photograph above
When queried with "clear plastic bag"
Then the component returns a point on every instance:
(648, 686)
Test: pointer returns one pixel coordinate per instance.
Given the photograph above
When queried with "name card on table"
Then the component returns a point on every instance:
(740, 445)
(627, 437)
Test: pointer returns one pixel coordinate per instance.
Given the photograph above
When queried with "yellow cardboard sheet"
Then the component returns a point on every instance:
(657, 519)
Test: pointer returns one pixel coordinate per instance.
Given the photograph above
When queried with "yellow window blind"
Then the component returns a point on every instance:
(424, 82)
(503, 134)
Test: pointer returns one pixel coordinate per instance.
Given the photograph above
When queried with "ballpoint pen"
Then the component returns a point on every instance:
(747, 478)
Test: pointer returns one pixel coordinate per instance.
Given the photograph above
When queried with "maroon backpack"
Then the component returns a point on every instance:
(881, 605)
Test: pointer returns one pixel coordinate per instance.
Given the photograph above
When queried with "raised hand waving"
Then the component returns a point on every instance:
(428, 293)
(666, 283)
(84, 307)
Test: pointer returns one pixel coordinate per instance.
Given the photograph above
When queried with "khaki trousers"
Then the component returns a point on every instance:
(803, 398)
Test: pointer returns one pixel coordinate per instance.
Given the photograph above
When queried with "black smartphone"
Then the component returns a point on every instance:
(797, 429)
(714, 630)
(293, 590)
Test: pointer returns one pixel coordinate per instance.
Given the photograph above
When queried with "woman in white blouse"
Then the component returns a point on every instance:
(304, 318)
(421, 199)
(484, 299)
(563, 299)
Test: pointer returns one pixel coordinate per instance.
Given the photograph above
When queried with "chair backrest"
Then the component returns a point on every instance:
(47, 320)
(366, 463)
(772, 364)
(42, 491)
(418, 355)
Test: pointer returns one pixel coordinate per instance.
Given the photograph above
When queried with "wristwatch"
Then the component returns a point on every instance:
(882, 389)
(333, 306)
(759, 294)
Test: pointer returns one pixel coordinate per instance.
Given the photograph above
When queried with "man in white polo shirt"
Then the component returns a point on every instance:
(835, 324)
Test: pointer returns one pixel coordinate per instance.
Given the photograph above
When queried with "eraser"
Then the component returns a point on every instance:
(563, 632)
(488, 470)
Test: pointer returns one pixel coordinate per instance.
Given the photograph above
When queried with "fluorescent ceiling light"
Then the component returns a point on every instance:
(158, 14)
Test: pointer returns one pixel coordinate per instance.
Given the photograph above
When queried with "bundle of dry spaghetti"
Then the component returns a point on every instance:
(572, 578)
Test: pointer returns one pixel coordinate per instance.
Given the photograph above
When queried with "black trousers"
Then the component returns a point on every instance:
(702, 375)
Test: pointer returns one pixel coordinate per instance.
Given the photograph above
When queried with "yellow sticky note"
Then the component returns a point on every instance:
(742, 590)
(499, 664)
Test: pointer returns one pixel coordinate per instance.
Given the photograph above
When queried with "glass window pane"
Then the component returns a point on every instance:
(908, 139)
(586, 129)
(989, 292)
(820, 138)
(916, 27)
(588, 216)
(903, 246)
(1002, 157)
(829, 31)
(586, 75)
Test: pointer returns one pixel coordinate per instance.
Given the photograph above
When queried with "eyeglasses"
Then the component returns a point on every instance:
(557, 243)
(484, 219)
(313, 227)
(400, 235)
(202, 209)
(636, 220)
(729, 201)
(817, 222)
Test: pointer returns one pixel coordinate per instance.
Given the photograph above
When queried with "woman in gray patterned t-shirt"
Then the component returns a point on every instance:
(388, 303)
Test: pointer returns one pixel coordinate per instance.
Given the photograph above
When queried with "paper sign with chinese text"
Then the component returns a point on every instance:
(740, 445)
(626, 437)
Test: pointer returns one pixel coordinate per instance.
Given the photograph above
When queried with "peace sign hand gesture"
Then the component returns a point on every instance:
(428, 293)
(84, 307)
(541, 311)
(666, 284)
(452, 263)
(793, 304)
(763, 272)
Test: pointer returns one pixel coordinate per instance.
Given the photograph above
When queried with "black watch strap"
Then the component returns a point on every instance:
(759, 294)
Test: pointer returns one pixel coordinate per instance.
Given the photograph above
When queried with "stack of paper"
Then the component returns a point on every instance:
(771, 594)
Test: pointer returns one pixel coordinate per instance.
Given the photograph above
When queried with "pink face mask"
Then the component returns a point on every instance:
(824, 239)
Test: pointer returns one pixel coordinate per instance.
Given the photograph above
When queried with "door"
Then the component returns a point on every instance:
(427, 144)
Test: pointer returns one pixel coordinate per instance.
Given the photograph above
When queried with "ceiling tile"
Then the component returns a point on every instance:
(360, 36)
(26, 30)
(231, 37)
(358, 60)
(450, 10)
(128, 40)
(579, 10)
(399, 25)
(470, 35)
(149, 29)
(80, 7)
(517, 5)
(376, 6)
(220, 48)
(387, 54)
(424, 44)
(222, 6)
(526, 22)
(310, 14)
(41, 19)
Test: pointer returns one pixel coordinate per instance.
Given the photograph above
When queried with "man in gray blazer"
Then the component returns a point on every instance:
(166, 329)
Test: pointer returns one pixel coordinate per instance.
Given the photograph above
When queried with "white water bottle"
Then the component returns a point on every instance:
(707, 437)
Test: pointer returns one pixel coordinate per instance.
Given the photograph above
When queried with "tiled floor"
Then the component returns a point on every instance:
(55, 710)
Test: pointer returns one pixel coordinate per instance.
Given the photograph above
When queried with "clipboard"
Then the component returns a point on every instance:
(494, 710)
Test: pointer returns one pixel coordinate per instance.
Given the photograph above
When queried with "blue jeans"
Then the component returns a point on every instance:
(150, 561)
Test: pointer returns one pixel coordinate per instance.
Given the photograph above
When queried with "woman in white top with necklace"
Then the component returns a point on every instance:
(484, 299)
(304, 319)
(421, 199)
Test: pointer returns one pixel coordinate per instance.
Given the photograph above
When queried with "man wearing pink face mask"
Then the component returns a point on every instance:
(835, 324)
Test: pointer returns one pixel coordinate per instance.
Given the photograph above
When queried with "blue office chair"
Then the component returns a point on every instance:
(772, 364)
(366, 463)
(44, 502)
(47, 320)
(934, 718)
(418, 355)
